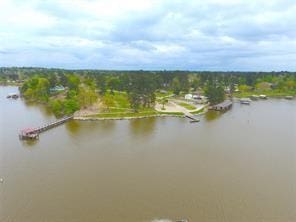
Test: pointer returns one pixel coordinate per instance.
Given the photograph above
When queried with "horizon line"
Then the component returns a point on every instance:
(144, 70)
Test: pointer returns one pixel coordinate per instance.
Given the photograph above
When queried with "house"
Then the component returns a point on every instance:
(188, 96)
(195, 97)
(200, 99)
(57, 89)
(227, 90)
(264, 86)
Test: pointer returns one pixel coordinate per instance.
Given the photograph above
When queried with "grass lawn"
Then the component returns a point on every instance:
(119, 107)
(122, 115)
(163, 95)
(187, 106)
(199, 111)
(118, 100)
(141, 113)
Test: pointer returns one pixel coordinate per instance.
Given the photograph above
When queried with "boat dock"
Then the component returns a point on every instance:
(33, 133)
(190, 116)
(227, 104)
(186, 113)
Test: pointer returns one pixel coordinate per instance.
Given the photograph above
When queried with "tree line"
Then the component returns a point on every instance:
(83, 87)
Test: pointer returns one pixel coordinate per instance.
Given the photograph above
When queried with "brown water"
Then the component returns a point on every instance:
(239, 166)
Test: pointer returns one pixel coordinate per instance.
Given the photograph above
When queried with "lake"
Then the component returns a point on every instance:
(238, 166)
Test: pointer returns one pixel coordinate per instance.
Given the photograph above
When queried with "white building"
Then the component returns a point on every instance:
(188, 96)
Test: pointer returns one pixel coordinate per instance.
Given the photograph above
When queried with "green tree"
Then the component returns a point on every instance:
(56, 107)
(86, 96)
(215, 92)
(176, 86)
(108, 101)
(113, 83)
(73, 82)
(70, 106)
(163, 102)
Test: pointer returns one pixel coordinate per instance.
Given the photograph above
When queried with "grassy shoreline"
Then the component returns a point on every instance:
(123, 116)
(269, 93)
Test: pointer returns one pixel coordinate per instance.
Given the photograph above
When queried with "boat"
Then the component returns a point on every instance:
(12, 95)
(254, 97)
(263, 96)
(246, 101)
(289, 97)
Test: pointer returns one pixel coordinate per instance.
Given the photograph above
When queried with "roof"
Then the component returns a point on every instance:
(13, 94)
(226, 103)
(57, 88)
(27, 130)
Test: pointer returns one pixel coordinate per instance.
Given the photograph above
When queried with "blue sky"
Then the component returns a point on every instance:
(253, 35)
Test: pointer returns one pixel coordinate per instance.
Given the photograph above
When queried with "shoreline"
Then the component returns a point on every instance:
(81, 118)
(85, 118)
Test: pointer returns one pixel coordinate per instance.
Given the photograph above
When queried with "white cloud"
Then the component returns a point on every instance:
(149, 34)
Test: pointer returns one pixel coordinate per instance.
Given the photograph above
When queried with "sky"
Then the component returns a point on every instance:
(214, 35)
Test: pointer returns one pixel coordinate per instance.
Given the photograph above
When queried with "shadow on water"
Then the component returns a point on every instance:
(42, 108)
(143, 127)
(29, 144)
(212, 115)
(104, 126)
(73, 126)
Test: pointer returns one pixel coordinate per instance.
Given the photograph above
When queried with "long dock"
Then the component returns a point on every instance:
(33, 133)
(190, 116)
(186, 113)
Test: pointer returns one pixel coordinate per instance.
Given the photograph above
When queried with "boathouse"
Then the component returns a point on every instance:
(227, 104)
(28, 133)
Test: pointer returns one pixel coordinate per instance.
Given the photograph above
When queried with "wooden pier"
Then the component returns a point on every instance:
(190, 116)
(192, 119)
(33, 133)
